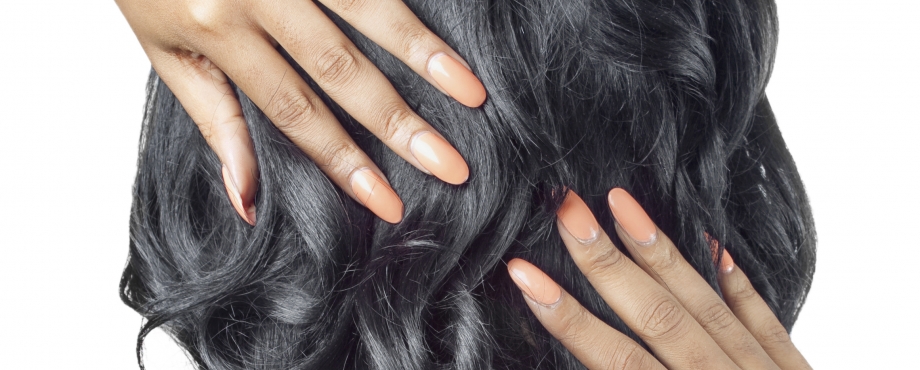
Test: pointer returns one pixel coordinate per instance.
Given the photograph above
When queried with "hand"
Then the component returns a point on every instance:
(679, 316)
(195, 45)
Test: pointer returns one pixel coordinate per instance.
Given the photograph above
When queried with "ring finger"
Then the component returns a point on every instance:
(273, 85)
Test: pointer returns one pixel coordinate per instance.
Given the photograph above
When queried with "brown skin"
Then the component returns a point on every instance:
(195, 45)
(669, 305)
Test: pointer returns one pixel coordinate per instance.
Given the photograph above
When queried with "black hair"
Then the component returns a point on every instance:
(663, 98)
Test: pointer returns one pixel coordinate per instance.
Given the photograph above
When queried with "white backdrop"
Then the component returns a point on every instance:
(71, 93)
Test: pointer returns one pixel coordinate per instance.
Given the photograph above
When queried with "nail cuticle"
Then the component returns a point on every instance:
(585, 242)
(650, 241)
(236, 198)
(374, 193)
(430, 63)
(550, 306)
(351, 182)
(412, 149)
(577, 219)
(631, 217)
(534, 283)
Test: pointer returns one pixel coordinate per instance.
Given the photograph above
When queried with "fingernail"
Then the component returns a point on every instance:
(533, 282)
(577, 218)
(459, 82)
(376, 195)
(713, 246)
(728, 264)
(439, 158)
(251, 212)
(631, 217)
(246, 213)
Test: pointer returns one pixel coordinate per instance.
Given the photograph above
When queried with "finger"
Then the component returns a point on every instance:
(350, 79)
(393, 26)
(754, 313)
(653, 313)
(595, 344)
(272, 84)
(654, 252)
(207, 96)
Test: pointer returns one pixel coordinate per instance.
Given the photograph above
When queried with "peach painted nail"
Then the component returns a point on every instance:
(533, 282)
(577, 218)
(713, 246)
(247, 213)
(456, 80)
(439, 158)
(728, 264)
(376, 195)
(631, 217)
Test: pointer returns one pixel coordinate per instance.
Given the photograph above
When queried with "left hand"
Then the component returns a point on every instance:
(681, 318)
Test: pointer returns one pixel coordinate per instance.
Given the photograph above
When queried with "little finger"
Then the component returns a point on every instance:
(754, 313)
(206, 94)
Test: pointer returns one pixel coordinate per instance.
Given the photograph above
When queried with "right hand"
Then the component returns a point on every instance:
(195, 45)
(659, 296)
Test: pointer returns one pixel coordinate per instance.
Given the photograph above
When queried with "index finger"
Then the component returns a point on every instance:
(393, 26)
(644, 305)
(594, 343)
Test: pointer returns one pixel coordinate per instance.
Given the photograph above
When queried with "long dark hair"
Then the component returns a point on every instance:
(665, 99)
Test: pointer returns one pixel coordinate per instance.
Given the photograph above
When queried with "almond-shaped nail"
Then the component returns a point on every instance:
(439, 158)
(458, 81)
(376, 195)
(246, 213)
(533, 282)
(631, 217)
(577, 218)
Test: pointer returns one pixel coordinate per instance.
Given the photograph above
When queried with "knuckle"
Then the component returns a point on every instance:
(666, 261)
(571, 324)
(206, 132)
(716, 317)
(626, 356)
(604, 260)
(393, 120)
(334, 156)
(345, 6)
(773, 335)
(293, 112)
(336, 65)
(204, 16)
(744, 294)
(662, 319)
(411, 37)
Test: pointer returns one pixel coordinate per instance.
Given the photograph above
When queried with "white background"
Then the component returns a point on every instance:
(71, 93)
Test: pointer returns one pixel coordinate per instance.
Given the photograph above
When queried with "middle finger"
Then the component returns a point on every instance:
(350, 79)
